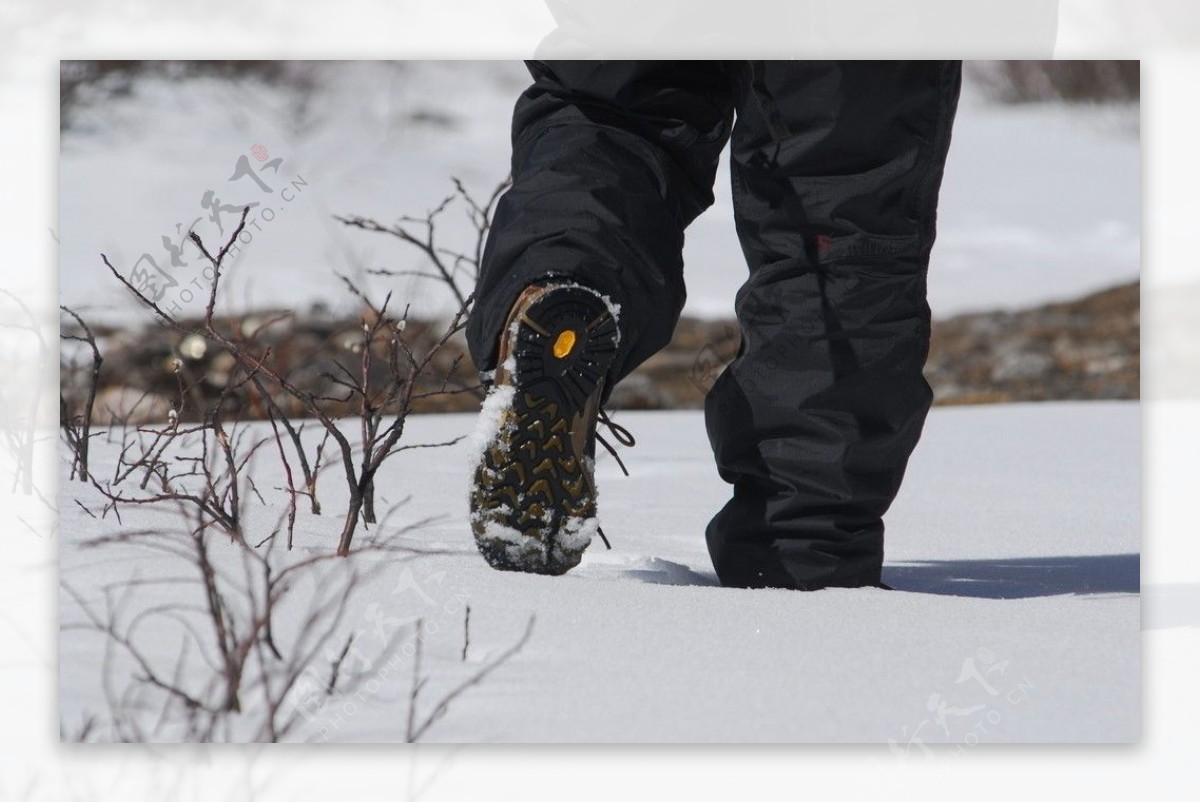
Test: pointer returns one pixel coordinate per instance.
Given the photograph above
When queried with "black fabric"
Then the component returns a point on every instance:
(836, 170)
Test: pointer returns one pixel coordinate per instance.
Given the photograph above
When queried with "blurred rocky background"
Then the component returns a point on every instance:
(1083, 349)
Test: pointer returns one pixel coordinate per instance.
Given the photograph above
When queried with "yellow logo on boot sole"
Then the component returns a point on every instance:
(564, 343)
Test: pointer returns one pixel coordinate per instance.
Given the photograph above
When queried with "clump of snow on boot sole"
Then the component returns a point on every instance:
(493, 418)
(530, 551)
(576, 534)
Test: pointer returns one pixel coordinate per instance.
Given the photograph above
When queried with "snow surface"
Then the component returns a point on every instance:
(1040, 202)
(1013, 547)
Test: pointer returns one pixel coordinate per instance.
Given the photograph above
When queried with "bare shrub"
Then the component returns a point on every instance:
(235, 675)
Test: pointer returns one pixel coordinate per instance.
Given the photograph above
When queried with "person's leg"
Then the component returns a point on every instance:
(836, 171)
(611, 161)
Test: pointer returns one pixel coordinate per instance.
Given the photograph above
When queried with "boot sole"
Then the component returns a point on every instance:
(533, 500)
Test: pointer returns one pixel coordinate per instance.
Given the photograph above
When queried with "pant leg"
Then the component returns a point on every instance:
(611, 161)
(836, 171)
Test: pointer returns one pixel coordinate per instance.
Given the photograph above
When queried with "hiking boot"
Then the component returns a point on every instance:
(533, 498)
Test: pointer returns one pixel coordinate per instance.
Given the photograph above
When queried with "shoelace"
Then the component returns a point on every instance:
(623, 437)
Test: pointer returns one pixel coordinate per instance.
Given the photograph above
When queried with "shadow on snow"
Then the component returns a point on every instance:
(1015, 578)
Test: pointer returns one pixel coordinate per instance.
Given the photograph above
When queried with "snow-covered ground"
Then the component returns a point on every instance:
(1040, 202)
(1013, 548)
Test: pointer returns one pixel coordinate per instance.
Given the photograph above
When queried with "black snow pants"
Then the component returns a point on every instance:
(836, 168)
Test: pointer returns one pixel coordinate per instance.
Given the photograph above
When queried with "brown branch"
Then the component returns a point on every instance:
(414, 733)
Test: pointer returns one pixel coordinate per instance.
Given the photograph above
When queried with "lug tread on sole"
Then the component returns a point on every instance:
(530, 480)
